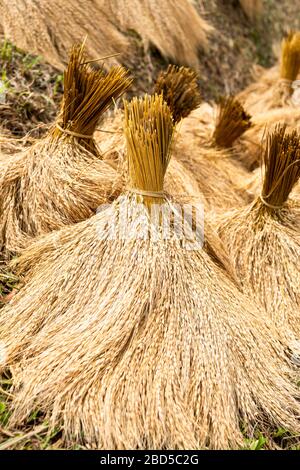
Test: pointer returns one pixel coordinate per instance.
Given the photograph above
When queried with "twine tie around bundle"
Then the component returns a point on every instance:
(141, 192)
(74, 134)
(271, 206)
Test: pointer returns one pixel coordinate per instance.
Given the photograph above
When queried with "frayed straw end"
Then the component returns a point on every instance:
(179, 88)
(87, 95)
(232, 122)
(282, 167)
(149, 130)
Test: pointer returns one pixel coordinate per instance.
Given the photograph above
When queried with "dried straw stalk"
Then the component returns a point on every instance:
(54, 28)
(232, 122)
(173, 26)
(205, 146)
(180, 90)
(274, 88)
(195, 146)
(133, 342)
(269, 100)
(251, 144)
(61, 179)
(264, 238)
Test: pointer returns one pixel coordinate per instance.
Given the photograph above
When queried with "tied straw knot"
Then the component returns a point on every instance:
(265, 203)
(142, 192)
(73, 134)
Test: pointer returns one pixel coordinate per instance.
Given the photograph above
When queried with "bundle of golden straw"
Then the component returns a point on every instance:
(131, 339)
(205, 146)
(56, 26)
(173, 26)
(61, 179)
(272, 99)
(274, 88)
(251, 144)
(179, 89)
(264, 238)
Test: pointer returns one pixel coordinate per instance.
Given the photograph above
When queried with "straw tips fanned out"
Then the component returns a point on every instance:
(281, 160)
(179, 88)
(232, 122)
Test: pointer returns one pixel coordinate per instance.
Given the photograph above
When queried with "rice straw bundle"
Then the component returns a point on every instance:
(204, 150)
(56, 26)
(61, 179)
(252, 8)
(179, 88)
(232, 122)
(274, 88)
(173, 26)
(264, 238)
(250, 146)
(134, 342)
(179, 180)
(205, 147)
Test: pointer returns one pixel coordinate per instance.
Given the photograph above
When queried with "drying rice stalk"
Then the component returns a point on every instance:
(173, 26)
(197, 148)
(232, 122)
(54, 28)
(203, 147)
(134, 342)
(180, 90)
(61, 179)
(264, 239)
(274, 88)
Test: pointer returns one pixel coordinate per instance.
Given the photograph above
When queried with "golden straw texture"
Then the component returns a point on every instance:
(173, 26)
(273, 89)
(61, 178)
(232, 122)
(129, 342)
(179, 88)
(55, 27)
(217, 175)
(264, 239)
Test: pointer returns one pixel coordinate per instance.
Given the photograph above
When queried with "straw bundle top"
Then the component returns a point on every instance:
(232, 122)
(179, 88)
(87, 95)
(149, 129)
(282, 167)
